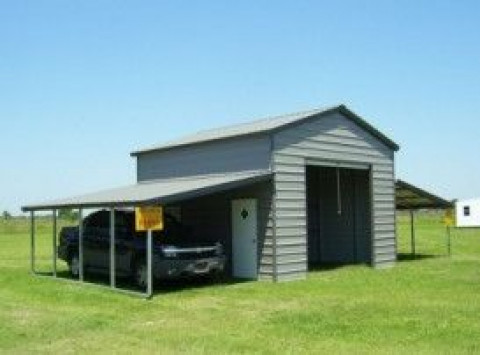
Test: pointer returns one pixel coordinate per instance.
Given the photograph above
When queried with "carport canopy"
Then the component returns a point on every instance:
(411, 198)
(160, 192)
(155, 192)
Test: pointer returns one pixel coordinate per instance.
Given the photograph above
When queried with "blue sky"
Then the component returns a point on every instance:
(83, 83)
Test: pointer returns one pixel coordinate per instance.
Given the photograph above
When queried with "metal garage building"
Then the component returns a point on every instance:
(329, 167)
(283, 193)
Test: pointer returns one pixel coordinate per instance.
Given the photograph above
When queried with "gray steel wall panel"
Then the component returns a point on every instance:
(241, 154)
(334, 138)
(292, 241)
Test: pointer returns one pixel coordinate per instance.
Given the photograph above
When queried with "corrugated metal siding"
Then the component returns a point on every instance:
(210, 218)
(235, 155)
(363, 225)
(333, 138)
(290, 215)
(384, 248)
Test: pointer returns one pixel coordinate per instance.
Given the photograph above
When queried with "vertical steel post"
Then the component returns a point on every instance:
(80, 244)
(412, 232)
(112, 247)
(32, 241)
(149, 264)
(54, 243)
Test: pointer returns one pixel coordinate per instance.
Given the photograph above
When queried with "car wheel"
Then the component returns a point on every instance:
(140, 274)
(74, 265)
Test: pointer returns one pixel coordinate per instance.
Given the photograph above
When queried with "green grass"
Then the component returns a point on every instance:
(430, 305)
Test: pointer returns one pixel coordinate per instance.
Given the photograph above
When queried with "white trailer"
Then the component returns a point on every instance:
(468, 212)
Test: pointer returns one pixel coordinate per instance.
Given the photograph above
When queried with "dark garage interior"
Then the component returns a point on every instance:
(339, 218)
(209, 217)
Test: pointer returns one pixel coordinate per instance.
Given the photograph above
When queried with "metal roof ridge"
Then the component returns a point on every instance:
(268, 119)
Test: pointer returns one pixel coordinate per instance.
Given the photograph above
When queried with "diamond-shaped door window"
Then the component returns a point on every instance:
(244, 213)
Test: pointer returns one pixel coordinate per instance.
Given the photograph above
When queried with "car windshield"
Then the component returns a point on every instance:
(124, 221)
(173, 231)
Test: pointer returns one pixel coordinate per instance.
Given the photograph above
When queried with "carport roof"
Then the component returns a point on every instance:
(409, 197)
(156, 192)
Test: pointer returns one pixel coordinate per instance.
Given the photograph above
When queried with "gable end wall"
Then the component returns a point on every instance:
(333, 138)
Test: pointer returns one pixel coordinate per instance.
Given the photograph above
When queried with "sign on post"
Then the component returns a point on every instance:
(449, 218)
(148, 218)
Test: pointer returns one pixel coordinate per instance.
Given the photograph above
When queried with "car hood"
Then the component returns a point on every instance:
(183, 244)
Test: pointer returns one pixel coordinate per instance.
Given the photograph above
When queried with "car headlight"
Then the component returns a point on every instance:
(169, 253)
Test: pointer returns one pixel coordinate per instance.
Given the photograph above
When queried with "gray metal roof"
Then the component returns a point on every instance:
(156, 192)
(265, 125)
(410, 197)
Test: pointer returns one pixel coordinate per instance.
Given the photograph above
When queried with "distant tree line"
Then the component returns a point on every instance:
(68, 213)
(64, 213)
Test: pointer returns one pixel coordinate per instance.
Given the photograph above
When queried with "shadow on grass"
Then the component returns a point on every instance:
(401, 257)
(160, 286)
(331, 266)
(410, 257)
(175, 285)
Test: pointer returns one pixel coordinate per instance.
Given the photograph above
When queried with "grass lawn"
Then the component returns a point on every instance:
(429, 305)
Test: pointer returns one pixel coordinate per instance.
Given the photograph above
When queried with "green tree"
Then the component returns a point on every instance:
(67, 213)
(6, 215)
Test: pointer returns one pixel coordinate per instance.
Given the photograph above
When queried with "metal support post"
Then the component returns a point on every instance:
(32, 241)
(54, 243)
(112, 247)
(80, 245)
(412, 232)
(149, 264)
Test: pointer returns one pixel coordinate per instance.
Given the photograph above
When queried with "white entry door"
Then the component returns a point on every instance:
(244, 229)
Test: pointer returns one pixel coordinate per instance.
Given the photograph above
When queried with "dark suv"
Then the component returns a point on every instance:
(174, 252)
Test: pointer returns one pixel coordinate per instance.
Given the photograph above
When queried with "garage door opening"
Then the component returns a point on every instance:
(339, 215)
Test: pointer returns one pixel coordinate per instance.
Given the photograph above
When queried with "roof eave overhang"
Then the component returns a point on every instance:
(368, 127)
(183, 145)
(155, 200)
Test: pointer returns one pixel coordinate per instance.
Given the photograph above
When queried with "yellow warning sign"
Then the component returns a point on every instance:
(148, 218)
(449, 218)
